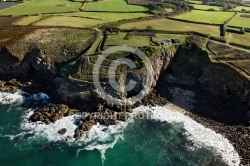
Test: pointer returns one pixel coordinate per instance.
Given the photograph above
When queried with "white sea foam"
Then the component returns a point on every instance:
(102, 140)
(196, 132)
(8, 98)
(50, 132)
(19, 97)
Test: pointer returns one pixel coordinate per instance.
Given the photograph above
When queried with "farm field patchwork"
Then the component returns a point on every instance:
(69, 22)
(42, 6)
(243, 39)
(239, 8)
(207, 7)
(28, 20)
(160, 37)
(87, 19)
(112, 5)
(240, 21)
(132, 40)
(109, 17)
(195, 2)
(209, 17)
(171, 25)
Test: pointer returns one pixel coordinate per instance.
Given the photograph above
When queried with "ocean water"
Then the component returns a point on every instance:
(153, 136)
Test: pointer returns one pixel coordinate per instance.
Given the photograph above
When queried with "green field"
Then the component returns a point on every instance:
(132, 41)
(42, 6)
(169, 10)
(207, 7)
(112, 5)
(171, 25)
(239, 21)
(239, 8)
(239, 38)
(28, 20)
(160, 37)
(196, 2)
(206, 16)
(87, 19)
(95, 45)
(69, 22)
(109, 17)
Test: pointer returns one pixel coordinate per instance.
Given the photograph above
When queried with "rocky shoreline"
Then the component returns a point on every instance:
(104, 114)
(222, 103)
(238, 135)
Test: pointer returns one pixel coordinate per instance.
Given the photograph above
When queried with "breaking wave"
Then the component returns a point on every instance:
(103, 137)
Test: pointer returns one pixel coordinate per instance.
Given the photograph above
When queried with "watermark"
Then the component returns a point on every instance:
(120, 87)
(116, 115)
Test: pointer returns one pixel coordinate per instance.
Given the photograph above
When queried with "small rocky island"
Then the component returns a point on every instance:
(218, 75)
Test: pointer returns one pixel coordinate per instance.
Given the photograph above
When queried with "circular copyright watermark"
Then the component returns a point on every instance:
(119, 86)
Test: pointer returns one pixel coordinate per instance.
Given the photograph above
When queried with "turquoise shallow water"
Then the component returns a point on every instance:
(144, 143)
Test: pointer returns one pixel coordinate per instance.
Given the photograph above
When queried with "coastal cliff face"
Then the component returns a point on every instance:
(219, 84)
(12, 67)
(76, 84)
(226, 88)
(70, 81)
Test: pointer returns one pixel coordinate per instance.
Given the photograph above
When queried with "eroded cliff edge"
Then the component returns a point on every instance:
(221, 83)
(219, 73)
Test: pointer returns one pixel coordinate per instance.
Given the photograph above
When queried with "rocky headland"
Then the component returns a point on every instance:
(217, 74)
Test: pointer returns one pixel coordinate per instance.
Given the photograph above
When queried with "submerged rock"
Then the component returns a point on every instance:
(62, 131)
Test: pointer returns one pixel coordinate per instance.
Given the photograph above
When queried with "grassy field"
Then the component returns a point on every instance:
(132, 41)
(171, 25)
(240, 21)
(196, 2)
(206, 7)
(239, 8)
(112, 5)
(206, 16)
(109, 17)
(28, 20)
(169, 10)
(42, 6)
(87, 19)
(239, 38)
(69, 22)
(94, 46)
(160, 37)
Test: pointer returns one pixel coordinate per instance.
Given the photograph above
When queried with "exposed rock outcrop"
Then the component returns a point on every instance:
(62, 131)
(75, 83)
(218, 82)
(52, 113)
